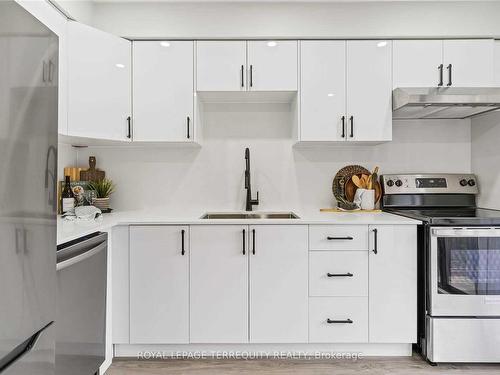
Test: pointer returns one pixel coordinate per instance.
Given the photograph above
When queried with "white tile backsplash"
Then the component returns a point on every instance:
(209, 178)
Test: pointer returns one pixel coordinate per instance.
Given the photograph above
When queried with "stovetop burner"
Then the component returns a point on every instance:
(451, 216)
(439, 199)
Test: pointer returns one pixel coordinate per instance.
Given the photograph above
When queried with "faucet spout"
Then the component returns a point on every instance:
(248, 186)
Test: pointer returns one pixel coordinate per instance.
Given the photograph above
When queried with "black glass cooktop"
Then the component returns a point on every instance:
(452, 216)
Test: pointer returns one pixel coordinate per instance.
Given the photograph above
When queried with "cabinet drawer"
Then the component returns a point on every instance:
(338, 319)
(338, 273)
(338, 237)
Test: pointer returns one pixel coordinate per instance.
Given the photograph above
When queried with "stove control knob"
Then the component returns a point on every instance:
(471, 182)
(463, 182)
(399, 183)
(390, 183)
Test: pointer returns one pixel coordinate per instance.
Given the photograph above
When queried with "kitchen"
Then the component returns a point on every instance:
(306, 101)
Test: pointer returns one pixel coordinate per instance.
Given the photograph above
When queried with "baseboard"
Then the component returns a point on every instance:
(250, 351)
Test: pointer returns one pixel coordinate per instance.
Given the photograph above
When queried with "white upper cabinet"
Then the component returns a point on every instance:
(393, 284)
(226, 65)
(272, 65)
(159, 284)
(443, 63)
(417, 63)
(163, 91)
(278, 284)
(220, 65)
(468, 63)
(99, 84)
(219, 284)
(346, 91)
(323, 91)
(369, 91)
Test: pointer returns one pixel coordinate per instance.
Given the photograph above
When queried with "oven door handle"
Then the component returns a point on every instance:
(81, 257)
(466, 232)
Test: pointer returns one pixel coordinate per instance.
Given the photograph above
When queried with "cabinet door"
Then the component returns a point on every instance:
(393, 284)
(471, 62)
(163, 91)
(369, 91)
(322, 91)
(99, 84)
(219, 284)
(416, 63)
(278, 284)
(159, 285)
(272, 65)
(220, 65)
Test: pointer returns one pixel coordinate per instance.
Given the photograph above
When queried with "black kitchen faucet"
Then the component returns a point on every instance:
(249, 201)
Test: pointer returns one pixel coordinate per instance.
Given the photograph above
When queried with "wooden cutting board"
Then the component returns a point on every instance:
(336, 210)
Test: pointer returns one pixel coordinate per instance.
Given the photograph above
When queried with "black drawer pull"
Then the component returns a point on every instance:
(347, 321)
(244, 241)
(348, 238)
(348, 274)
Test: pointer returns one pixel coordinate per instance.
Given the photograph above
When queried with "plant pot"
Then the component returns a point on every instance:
(101, 203)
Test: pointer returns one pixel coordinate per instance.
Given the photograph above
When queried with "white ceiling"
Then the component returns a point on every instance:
(277, 1)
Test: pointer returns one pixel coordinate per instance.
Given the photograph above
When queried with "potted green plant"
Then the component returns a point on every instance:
(103, 189)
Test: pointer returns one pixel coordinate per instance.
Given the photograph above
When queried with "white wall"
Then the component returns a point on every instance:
(305, 20)
(486, 158)
(194, 180)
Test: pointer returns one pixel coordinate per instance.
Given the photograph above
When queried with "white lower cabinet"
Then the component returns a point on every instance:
(266, 283)
(393, 283)
(278, 284)
(159, 284)
(338, 320)
(219, 284)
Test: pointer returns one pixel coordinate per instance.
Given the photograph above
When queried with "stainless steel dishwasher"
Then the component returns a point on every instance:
(81, 305)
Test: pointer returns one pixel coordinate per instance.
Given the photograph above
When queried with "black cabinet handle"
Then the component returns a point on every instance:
(251, 75)
(449, 67)
(375, 241)
(129, 127)
(348, 238)
(242, 76)
(343, 126)
(330, 321)
(183, 250)
(188, 122)
(244, 241)
(348, 274)
(440, 68)
(352, 126)
(253, 241)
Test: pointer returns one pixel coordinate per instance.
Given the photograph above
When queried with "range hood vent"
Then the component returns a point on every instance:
(443, 102)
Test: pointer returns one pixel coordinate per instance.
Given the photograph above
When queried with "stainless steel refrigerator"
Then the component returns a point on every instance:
(28, 200)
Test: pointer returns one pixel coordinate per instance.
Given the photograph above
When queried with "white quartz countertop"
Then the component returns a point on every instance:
(71, 230)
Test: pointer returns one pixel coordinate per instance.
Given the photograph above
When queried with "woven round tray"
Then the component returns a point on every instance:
(339, 183)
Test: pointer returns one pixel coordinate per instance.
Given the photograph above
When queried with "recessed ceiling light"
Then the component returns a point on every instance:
(165, 44)
(272, 44)
(382, 44)
(330, 94)
(120, 66)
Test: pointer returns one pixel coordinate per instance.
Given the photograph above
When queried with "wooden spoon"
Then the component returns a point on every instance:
(356, 181)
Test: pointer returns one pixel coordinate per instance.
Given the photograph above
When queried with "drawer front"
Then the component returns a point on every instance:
(338, 273)
(338, 319)
(338, 237)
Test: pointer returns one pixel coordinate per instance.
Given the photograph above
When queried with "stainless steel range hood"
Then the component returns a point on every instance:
(443, 102)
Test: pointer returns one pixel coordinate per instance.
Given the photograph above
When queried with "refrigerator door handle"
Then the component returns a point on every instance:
(22, 349)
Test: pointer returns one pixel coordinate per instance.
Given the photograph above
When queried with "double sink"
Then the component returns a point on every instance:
(250, 215)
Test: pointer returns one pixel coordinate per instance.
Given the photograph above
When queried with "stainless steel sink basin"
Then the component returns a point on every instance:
(249, 215)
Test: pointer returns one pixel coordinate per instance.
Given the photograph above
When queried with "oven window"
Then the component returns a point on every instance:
(469, 265)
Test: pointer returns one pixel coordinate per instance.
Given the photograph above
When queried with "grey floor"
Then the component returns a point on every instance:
(370, 365)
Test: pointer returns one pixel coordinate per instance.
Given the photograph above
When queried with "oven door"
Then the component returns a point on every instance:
(465, 272)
